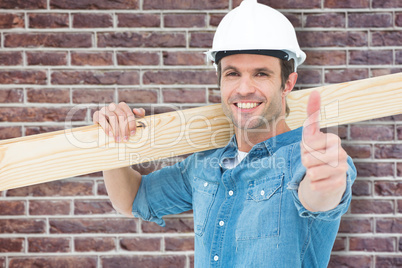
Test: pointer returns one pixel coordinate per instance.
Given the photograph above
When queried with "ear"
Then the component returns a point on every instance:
(290, 83)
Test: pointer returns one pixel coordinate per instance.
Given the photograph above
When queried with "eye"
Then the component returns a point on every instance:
(262, 74)
(231, 74)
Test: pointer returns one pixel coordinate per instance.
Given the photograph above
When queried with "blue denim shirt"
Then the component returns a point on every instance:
(248, 216)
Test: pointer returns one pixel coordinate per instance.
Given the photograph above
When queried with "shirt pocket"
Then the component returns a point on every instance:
(204, 193)
(260, 217)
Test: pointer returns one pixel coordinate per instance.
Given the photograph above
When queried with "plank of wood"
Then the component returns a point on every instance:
(56, 155)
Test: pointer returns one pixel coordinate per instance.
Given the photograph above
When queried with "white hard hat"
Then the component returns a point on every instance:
(253, 28)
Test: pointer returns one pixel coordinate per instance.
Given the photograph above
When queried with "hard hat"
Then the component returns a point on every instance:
(254, 28)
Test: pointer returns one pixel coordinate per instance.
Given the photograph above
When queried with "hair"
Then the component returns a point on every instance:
(287, 67)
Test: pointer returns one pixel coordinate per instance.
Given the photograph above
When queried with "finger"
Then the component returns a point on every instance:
(131, 126)
(330, 184)
(122, 130)
(112, 120)
(139, 112)
(312, 123)
(321, 141)
(332, 157)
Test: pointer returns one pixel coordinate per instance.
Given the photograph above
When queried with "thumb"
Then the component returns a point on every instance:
(312, 124)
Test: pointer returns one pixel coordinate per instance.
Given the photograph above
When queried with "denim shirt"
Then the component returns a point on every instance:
(248, 216)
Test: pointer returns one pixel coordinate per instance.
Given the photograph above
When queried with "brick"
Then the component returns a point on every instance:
(337, 261)
(325, 20)
(391, 118)
(11, 244)
(23, 4)
(398, 19)
(53, 261)
(369, 20)
(24, 226)
(85, 95)
(180, 95)
(179, 77)
(160, 261)
(385, 71)
(309, 76)
(98, 77)
(289, 4)
(388, 261)
(138, 96)
(372, 132)
(386, 3)
(38, 114)
(181, 225)
(90, 20)
(49, 207)
(48, 95)
(23, 77)
(294, 18)
(47, 58)
(41, 129)
(140, 244)
(215, 19)
(214, 95)
(340, 244)
(94, 4)
(10, 58)
(389, 225)
(345, 75)
(137, 58)
(10, 132)
(379, 57)
(332, 39)
(179, 243)
(399, 206)
(376, 244)
(101, 188)
(56, 40)
(356, 225)
(388, 188)
(12, 20)
(142, 39)
(138, 20)
(185, 4)
(368, 206)
(92, 58)
(11, 95)
(346, 3)
(325, 58)
(94, 244)
(183, 58)
(12, 207)
(48, 244)
(93, 225)
(184, 20)
(191, 257)
(201, 39)
(85, 207)
(43, 20)
(374, 169)
(398, 55)
(388, 151)
(56, 188)
(386, 38)
(399, 169)
(361, 188)
(398, 130)
(358, 151)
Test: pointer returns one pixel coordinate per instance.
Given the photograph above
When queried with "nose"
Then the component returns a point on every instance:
(245, 86)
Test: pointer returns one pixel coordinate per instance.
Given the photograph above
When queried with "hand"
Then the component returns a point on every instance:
(325, 161)
(118, 121)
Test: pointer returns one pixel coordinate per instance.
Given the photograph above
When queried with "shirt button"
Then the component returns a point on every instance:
(206, 184)
(221, 223)
(216, 258)
(262, 192)
(230, 193)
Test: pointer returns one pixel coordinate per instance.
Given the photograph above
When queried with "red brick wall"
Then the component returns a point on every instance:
(59, 53)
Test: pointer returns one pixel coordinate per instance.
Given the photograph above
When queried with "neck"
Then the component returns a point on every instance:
(247, 138)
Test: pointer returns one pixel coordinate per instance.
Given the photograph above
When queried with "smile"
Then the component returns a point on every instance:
(247, 105)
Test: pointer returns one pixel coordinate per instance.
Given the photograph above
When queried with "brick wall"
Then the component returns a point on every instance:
(56, 54)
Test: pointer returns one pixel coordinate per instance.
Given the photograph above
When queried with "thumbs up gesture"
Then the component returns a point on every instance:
(325, 160)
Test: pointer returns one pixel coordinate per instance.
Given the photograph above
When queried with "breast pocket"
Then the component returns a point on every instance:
(260, 217)
(204, 193)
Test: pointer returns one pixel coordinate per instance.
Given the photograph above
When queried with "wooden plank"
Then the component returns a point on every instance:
(51, 156)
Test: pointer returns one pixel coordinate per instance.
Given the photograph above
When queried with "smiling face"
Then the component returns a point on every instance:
(252, 95)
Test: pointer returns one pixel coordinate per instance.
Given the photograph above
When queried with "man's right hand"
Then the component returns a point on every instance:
(118, 120)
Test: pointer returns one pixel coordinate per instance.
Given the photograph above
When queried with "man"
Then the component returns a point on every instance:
(275, 196)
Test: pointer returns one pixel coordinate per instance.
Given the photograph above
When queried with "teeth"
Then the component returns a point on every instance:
(248, 105)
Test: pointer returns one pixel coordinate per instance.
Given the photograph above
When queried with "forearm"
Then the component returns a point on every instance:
(122, 185)
(314, 200)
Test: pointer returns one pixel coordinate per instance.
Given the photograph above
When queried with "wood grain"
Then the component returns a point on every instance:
(56, 155)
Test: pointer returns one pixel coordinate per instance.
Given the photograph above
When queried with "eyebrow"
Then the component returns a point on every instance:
(262, 69)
